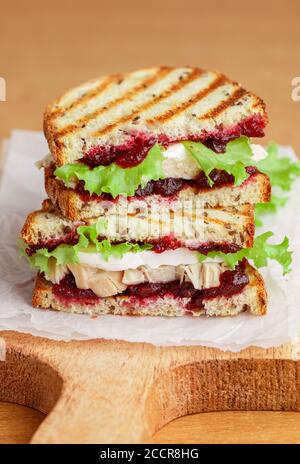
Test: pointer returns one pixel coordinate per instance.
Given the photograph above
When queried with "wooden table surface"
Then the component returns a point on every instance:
(47, 48)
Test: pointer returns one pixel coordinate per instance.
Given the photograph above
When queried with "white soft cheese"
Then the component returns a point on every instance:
(178, 163)
(259, 152)
(178, 151)
(144, 258)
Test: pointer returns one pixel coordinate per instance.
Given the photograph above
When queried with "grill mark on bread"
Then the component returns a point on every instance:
(36, 222)
(193, 217)
(100, 88)
(182, 82)
(162, 118)
(212, 113)
(69, 149)
(159, 74)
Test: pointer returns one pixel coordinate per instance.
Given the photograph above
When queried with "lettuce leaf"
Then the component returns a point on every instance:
(63, 254)
(237, 157)
(89, 234)
(259, 253)
(66, 254)
(113, 179)
(108, 249)
(268, 208)
(282, 171)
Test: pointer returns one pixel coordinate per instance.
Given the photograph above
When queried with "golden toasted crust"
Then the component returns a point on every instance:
(256, 281)
(253, 298)
(73, 206)
(28, 229)
(165, 101)
(64, 198)
(44, 226)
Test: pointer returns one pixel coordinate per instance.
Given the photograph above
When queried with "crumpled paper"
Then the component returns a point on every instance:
(21, 191)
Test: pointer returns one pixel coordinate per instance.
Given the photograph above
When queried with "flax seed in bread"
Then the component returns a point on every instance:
(233, 227)
(165, 103)
(75, 206)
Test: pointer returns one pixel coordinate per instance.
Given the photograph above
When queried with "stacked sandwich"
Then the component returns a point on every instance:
(151, 183)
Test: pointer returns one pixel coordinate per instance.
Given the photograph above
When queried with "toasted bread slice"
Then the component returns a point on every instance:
(75, 206)
(44, 226)
(252, 298)
(217, 228)
(164, 103)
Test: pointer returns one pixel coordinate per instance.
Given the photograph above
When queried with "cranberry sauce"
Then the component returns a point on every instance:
(70, 238)
(170, 187)
(165, 187)
(252, 126)
(67, 292)
(231, 282)
(223, 247)
(169, 242)
(127, 155)
(138, 144)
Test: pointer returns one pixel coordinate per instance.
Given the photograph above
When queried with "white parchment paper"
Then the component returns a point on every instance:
(21, 191)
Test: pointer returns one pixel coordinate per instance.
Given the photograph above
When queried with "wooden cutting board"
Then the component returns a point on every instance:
(105, 391)
(177, 380)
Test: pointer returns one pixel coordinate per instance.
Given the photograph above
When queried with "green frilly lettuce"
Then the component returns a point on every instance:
(282, 172)
(113, 179)
(87, 242)
(118, 181)
(259, 253)
(237, 157)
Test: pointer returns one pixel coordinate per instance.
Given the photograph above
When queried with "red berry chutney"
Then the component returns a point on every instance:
(168, 242)
(170, 187)
(231, 282)
(134, 151)
(70, 238)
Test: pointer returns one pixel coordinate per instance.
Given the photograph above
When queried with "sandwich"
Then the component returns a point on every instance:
(82, 271)
(132, 124)
(152, 182)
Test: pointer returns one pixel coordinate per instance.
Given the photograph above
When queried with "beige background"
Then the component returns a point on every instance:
(47, 47)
